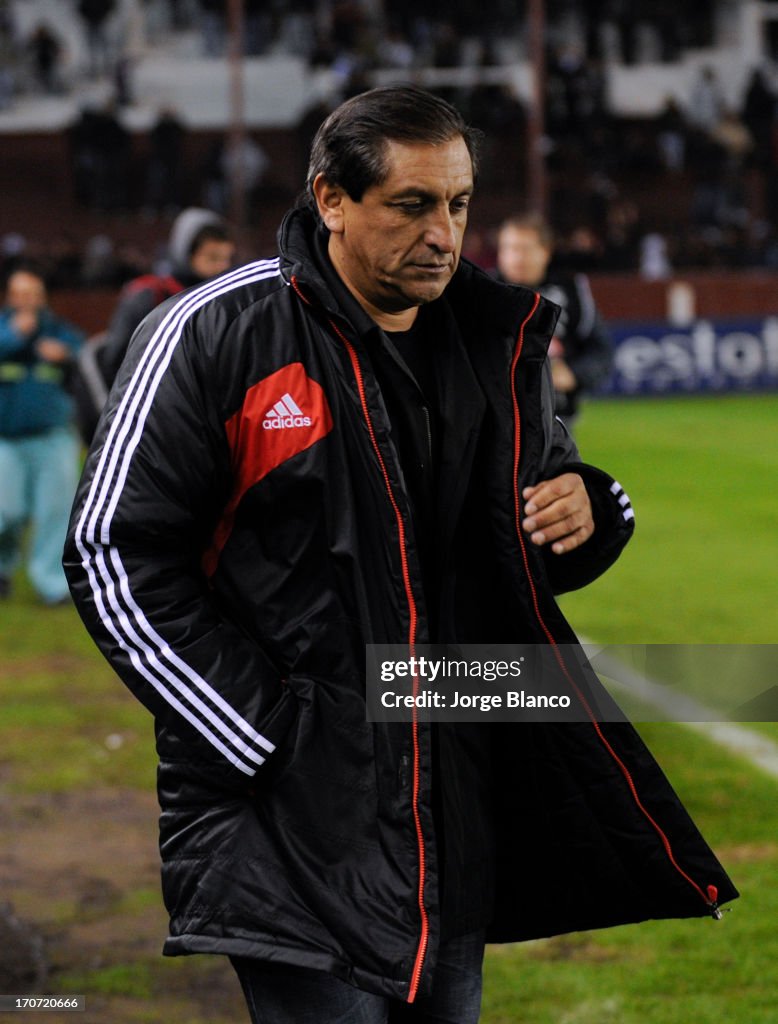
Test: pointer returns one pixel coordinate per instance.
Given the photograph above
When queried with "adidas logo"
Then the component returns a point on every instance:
(285, 413)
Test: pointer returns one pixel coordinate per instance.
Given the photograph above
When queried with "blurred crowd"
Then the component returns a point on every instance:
(349, 36)
(694, 186)
(65, 262)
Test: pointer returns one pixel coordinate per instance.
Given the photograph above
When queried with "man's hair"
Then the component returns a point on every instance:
(349, 148)
(531, 221)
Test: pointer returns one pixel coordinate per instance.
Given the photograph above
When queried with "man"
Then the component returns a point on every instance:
(580, 350)
(331, 449)
(199, 247)
(38, 447)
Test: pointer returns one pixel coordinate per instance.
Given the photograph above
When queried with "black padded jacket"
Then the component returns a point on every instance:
(242, 531)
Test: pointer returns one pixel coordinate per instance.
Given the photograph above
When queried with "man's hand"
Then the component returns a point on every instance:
(559, 513)
(25, 321)
(562, 376)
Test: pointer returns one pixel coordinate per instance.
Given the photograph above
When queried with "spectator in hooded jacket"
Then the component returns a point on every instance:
(580, 350)
(38, 447)
(200, 247)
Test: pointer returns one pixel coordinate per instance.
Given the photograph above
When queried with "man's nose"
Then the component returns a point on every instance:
(440, 232)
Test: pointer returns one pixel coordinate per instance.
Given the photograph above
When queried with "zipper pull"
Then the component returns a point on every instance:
(715, 912)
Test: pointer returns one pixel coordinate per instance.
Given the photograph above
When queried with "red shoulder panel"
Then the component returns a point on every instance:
(281, 416)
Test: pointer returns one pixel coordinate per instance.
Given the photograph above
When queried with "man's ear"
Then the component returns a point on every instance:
(329, 200)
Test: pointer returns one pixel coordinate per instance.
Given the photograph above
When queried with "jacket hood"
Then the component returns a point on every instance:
(296, 245)
(185, 227)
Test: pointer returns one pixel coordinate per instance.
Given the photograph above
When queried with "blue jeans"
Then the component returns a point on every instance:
(282, 994)
(38, 479)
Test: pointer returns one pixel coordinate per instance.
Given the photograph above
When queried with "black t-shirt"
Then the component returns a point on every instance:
(417, 351)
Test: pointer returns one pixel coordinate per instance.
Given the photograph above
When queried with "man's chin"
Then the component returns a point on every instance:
(422, 292)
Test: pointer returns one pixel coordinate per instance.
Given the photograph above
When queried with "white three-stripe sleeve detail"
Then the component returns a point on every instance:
(200, 682)
(158, 674)
(148, 661)
(155, 681)
(623, 499)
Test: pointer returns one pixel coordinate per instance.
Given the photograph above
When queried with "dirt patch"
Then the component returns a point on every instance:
(81, 873)
(575, 947)
(43, 664)
(748, 853)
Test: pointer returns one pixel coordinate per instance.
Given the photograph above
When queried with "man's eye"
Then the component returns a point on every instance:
(459, 205)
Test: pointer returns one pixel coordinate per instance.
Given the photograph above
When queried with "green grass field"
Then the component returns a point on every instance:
(702, 475)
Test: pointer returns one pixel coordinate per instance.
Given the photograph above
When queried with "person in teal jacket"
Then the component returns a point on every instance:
(39, 451)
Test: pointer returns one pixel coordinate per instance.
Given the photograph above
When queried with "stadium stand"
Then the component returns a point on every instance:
(628, 155)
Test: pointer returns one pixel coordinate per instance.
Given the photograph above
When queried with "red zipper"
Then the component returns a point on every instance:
(413, 622)
(711, 897)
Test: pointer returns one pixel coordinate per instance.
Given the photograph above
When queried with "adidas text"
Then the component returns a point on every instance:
(281, 422)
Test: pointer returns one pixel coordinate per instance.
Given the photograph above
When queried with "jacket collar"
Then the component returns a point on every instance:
(300, 239)
(480, 304)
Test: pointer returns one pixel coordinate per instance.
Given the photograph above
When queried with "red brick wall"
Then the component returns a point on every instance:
(624, 297)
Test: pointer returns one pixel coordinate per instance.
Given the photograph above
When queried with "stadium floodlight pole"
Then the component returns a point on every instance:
(536, 120)
(236, 135)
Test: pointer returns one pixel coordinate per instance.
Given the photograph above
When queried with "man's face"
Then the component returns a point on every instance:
(398, 247)
(25, 293)
(522, 257)
(212, 257)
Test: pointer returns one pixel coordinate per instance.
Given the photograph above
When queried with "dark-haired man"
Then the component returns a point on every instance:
(351, 444)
